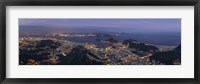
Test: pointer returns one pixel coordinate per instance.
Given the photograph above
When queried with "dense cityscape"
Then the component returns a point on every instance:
(56, 48)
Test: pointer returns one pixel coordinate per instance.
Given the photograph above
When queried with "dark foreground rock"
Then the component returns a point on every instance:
(81, 56)
(169, 57)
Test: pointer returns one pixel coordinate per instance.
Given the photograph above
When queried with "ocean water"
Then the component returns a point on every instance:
(156, 39)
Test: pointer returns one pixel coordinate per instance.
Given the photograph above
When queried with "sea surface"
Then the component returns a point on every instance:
(155, 39)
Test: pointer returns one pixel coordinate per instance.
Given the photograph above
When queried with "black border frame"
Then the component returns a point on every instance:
(4, 3)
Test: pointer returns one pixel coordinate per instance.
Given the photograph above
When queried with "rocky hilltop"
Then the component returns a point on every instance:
(169, 57)
(81, 56)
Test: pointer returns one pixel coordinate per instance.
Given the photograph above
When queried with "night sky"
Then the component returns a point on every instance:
(100, 25)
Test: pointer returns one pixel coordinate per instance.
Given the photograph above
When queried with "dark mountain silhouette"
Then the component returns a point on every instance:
(112, 40)
(25, 55)
(139, 46)
(168, 57)
(81, 56)
(178, 48)
(98, 39)
(48, 43)
(33, 54)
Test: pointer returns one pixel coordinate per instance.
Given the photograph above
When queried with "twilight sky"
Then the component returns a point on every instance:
(101, 25)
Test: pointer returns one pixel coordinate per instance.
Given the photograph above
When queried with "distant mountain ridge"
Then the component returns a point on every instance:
(112, 40)
(139, 46)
